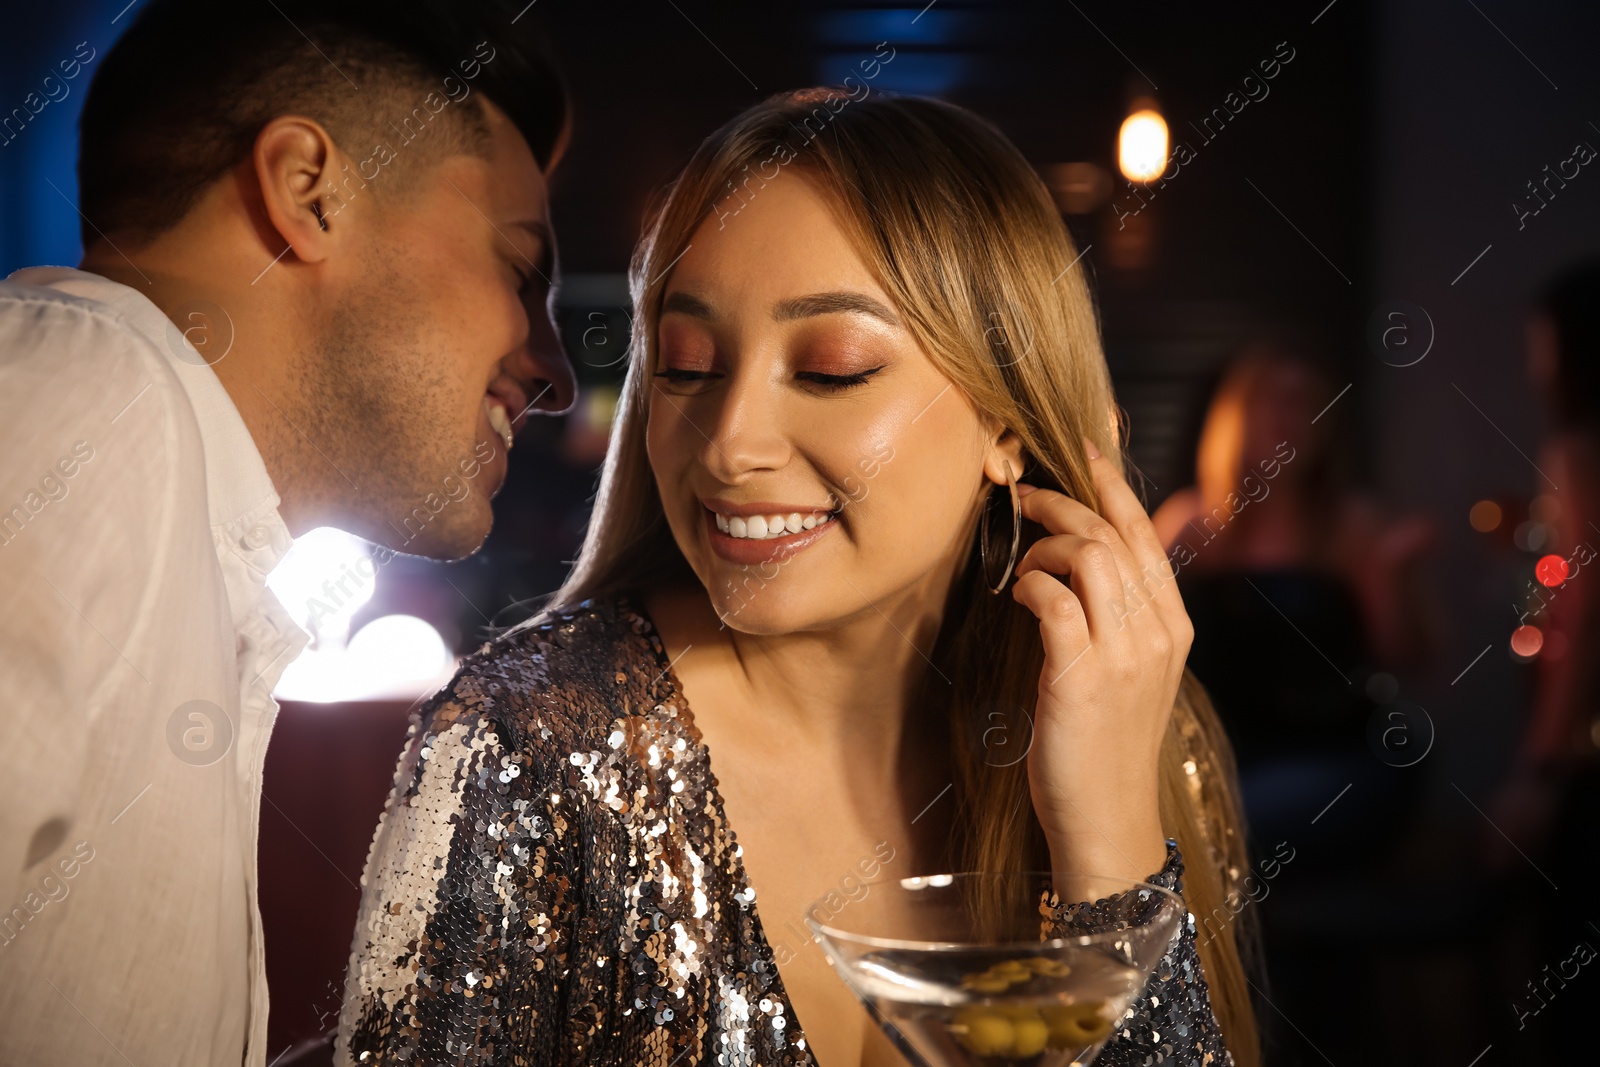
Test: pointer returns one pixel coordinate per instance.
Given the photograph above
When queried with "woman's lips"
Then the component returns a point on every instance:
(749, 550)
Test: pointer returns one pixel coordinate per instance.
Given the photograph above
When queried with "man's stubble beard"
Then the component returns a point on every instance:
(383, 406)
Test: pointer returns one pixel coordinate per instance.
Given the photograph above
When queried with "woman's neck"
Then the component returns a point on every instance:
(840, 694)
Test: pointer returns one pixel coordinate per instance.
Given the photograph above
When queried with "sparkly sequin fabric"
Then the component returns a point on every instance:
(1171, 1021)
(554, 881)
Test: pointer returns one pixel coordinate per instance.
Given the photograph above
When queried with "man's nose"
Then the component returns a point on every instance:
(544, 370)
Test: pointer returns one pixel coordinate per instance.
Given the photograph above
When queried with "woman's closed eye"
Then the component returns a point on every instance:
(828, 382)
(679, 375)
(839, 382)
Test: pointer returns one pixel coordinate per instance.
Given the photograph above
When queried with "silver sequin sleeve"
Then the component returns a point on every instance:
(465, 918)
(1171, 1022)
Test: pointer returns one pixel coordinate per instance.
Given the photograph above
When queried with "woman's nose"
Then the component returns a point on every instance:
(747, 432)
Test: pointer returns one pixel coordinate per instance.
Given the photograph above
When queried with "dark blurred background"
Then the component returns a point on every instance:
(1353, 226)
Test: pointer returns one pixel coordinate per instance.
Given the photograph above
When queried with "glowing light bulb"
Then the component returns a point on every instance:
(1142, 145)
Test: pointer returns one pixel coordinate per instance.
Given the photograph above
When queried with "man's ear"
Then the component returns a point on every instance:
(1004, 448)
(294, 160)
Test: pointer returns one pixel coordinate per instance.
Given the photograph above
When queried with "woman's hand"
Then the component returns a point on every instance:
(1115, 640)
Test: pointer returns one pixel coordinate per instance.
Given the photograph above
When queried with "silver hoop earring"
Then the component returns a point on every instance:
(1016, 536)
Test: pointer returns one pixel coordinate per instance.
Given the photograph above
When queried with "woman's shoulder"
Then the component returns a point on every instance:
(558, 680)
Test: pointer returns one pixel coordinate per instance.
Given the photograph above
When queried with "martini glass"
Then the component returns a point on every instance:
(957, 970)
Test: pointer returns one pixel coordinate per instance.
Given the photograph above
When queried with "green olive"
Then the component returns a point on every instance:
(1049, 967)
(983, 1032)
(1029, 1037)
(1071, 1025)
(988, 984)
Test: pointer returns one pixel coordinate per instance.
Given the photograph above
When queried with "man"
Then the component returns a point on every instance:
(314, 285)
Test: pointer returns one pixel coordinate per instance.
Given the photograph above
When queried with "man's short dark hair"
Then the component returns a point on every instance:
(182, 95)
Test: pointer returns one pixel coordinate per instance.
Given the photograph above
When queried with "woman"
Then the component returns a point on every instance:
(857, 333)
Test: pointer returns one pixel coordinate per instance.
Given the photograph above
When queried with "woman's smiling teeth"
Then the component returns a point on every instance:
(766, 527)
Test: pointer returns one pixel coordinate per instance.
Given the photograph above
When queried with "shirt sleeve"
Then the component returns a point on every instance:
(468, 902)
(86, 504)
(1172, 1020)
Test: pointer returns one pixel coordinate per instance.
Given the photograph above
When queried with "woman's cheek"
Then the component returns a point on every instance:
(670, 455)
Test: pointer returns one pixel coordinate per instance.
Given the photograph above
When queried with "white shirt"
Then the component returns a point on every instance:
(137, 527)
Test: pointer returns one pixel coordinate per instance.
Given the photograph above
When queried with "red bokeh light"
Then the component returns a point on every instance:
(1551, 570)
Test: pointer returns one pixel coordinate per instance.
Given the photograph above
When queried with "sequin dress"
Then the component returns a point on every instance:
(554, 881)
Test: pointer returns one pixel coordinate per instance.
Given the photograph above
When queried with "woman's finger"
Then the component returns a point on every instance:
(1122, 509)
(1060, 514)
(1063, 625)
(1092, 572)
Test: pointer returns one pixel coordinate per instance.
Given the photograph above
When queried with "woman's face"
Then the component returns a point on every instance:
(814, 465)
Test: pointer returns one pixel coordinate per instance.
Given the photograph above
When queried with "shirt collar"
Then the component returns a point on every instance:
(241, 499)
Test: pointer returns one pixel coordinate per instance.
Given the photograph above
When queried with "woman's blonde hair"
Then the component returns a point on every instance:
(962, 233)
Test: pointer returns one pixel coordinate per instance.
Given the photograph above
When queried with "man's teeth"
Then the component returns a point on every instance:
(498, 419)
(766, 527)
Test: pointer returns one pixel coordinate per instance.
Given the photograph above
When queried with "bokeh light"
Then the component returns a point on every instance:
(392, 657)
(1485, 516)
(1550, 570)
(1142, 146)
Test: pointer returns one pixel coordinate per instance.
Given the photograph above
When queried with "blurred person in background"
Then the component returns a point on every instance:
(1559, 745)
(1548, 808)
(1302, 593)
(313, 292)
(1273, 530)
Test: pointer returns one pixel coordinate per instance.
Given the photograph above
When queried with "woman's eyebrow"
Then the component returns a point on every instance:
(684, 304)
(842, 300)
